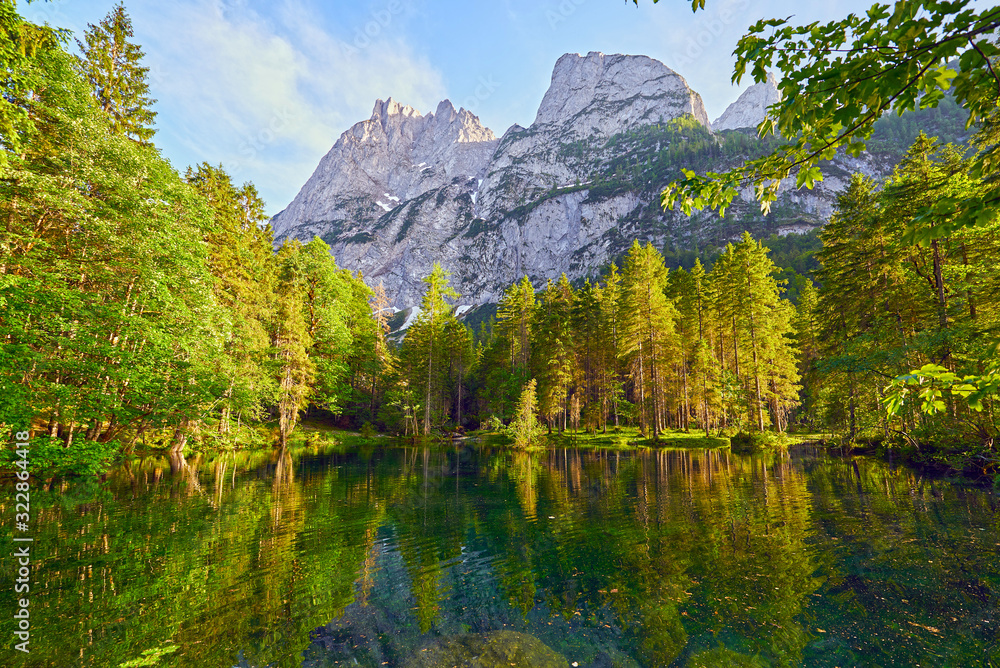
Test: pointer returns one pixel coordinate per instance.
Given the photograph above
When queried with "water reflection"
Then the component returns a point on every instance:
(323, 557)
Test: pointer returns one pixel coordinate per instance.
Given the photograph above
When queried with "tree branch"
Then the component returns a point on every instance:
(989, 64)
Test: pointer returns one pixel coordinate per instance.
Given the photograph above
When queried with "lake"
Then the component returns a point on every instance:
(390, 555)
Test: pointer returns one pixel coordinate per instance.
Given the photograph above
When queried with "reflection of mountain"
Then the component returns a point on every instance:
(631, 558)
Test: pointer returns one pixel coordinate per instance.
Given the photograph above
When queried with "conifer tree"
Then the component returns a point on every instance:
(424, 343)
(493, 379)
(610, 305)
(460, 346)
(726, 329)
(384, 362)
(585, 316)
(554, 353)
(764, 323)
(866, 301)
(327, 301)
(649, 337)
(514, 315)
(523, 428)
(242, 262)
(703, 366)
(681, 289)
(111, 63)
(889, 306)
(807, 340)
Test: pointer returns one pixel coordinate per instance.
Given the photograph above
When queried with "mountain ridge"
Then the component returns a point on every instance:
(567, 194)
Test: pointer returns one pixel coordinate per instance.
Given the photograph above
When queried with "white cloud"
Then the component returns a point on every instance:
(267, 97)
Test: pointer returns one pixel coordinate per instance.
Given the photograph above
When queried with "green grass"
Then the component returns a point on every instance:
(807, 437)
(629, 438)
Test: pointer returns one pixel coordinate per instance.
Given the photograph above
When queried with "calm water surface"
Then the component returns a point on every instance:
(396, 556)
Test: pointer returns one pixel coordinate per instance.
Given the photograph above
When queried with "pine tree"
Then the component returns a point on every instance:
(866, 301)
(554, 360)
(764, 325)
(585, 316)
(649, 337)
(514, 314)
(110, 62)
(242, 262)
(524, 428)
(328, 299)
(609, 305)
(807, 340)
(682, 291)
(704, 366)
(384, 361)
(888, 306)
(424, 343)
(460, 347)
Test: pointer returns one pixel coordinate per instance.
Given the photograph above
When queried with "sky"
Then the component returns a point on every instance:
(265, 87)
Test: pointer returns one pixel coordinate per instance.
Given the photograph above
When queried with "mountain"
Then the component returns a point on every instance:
(568, 193)
(591, 99)
(395, 156)
(749, 109)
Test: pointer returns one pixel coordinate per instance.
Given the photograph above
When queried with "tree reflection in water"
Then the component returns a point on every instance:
(633, 558)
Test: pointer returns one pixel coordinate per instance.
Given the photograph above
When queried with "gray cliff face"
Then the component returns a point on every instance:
(401, 247)
(569, 193)
(604, 95)
(380, 163)
(749, 110)
(591, 99)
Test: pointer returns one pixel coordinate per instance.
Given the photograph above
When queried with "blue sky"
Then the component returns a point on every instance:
(267, 87)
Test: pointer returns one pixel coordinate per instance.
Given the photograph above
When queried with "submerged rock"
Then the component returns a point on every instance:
(501, 649)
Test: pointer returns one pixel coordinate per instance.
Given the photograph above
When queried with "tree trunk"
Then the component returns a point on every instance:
(687, 409)
(753, 346)
(642, 394)
(181, 437)
(736, 349)
(427, 398)
(939, 286)
(968, 292)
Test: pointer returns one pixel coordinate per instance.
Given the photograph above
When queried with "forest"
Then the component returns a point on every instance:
(144, 307)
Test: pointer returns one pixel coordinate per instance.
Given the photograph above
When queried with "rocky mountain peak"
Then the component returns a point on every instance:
(401, 191)
(445, 111)
(632, 88)
(590, 100)
(396, 155)
(385, 109)
(749, 110)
